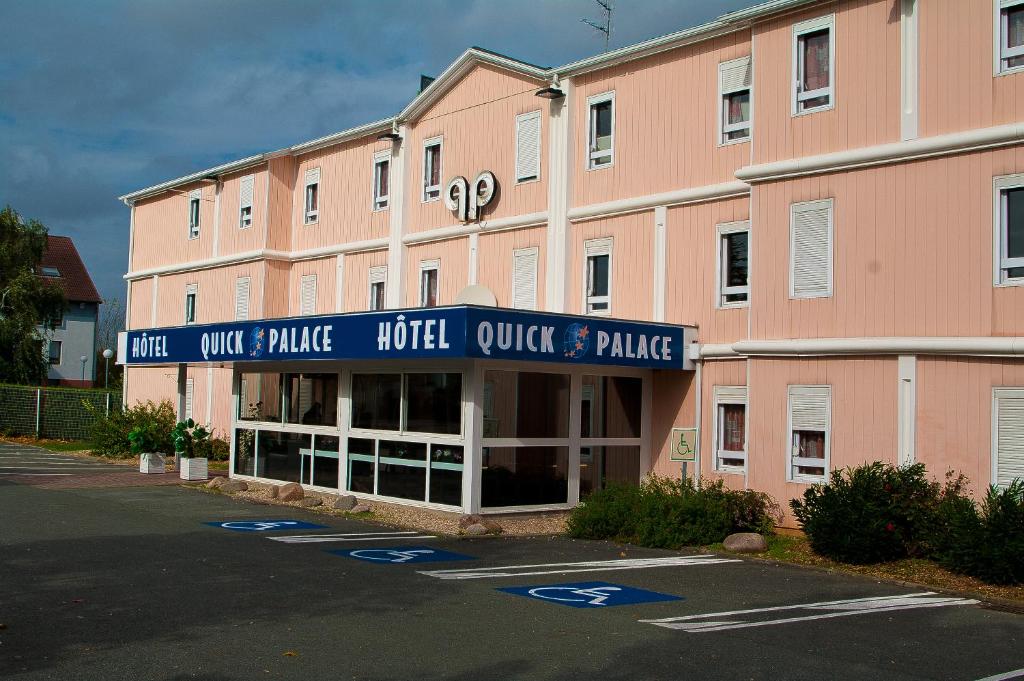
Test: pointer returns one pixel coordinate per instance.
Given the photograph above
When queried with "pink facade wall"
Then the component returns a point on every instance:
(495, 261)
(452, 277)
(232, 238)
(325, 270)
(912, 251)
(478, 122)
(280, 211)
(666, 124)
(162, 230)
(866, 90)
(632, 263)
(215, 301)
(958, 90)
(356, 287)
(140, 316)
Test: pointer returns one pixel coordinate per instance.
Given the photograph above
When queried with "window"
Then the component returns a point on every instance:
(810, 249)
(241, 299)
(433, 403)
(432, 169)
(376, 401)
(601, 140)
(191, 293)
(1008, 444)
(378, 283)
(730, 428)
(55, 352)
(733, 264)
(189, 392)
(734, 96)
(194, 198)
(1009, 230)
(813, 65)
(310, 399)
(428, 282)
(50, 272)
(598, 298)
(307, 295)
(245, 202)
(528, 146)
(1010, 30)
(524, 278)
(809, 432)
(312, 213)
(381, 179)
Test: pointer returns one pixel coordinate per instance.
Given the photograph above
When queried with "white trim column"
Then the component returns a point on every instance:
(907, 410)
(474, 261)
(559, 236)
(908, 69)
(396, 207)
(660, 262)
(339, 284)
(472, 453)
(152, 313)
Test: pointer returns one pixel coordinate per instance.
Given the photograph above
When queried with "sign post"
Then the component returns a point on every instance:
(684, 448)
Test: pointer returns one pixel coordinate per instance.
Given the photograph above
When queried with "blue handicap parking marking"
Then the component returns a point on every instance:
(589, 594)
(402, 555)
(265, 525)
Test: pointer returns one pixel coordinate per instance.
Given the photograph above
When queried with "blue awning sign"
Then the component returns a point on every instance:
(424, 333)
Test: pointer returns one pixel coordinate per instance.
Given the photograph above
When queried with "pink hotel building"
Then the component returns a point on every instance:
(818, 206)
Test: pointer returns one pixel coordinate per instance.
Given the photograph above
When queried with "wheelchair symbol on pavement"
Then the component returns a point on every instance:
(589, 594)
(401, 555)
(593, 596)
(390, 555)
(265, 525)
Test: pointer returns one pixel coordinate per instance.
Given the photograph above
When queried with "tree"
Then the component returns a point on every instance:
(110, 323)
(26, 300)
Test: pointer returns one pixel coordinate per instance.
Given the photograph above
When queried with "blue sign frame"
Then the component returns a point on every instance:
(462, 331)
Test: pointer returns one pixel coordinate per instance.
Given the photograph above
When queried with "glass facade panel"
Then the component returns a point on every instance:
(446, 465)
(611, 406)
(403, 470)
(601, 465)
(524, 476)
(279, 455)
(433, 403)
(325, 461)
(361, 465)
(311, 399)
(525, 404)
(259, 397)
(376, 401)
(245, 450)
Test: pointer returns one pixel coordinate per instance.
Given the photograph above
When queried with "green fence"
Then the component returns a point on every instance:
(62, 413)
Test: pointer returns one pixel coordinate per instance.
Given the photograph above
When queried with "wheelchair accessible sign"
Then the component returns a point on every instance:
(401, 555)
(265, 525)
(589, 594)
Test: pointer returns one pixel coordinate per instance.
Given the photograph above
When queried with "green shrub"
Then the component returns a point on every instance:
(190, 440)
(667, 513)
(109, 434)
(214, 449)
(986, 543)
(875, 512)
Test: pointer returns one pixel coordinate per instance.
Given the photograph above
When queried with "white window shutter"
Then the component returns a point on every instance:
(1009, 445)
(809, 407)
(811, 249)
(528, 146)
(241, 298)
(524, 279)
(734, 75)
(189, 384)
(245, 192)
(308, 295)
(312, 176)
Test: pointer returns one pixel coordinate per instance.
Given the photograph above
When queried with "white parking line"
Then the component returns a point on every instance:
(586, 566)
(349, 536)
(699, 624)
(35, 474)
(1005, 676)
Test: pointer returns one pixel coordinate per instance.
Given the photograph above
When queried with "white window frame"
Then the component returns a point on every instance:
(534, 252)
(381, 201)
(427, 266)
(520, 119)
(729, 395)
(723, 93)
(377, 275)
(592, 248)
(1000, 34)
(191, 290)
(311, 216)
(721, 269)
(425, 195)
(245, 219)
(195, 218)
(59, 344)
(1000, 393)
(827, 22)
(592, 156)
(791, 461)
(793, 295)
(1000, 224)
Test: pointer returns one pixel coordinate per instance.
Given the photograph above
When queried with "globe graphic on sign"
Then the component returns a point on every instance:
(257, 343)
(576, 341)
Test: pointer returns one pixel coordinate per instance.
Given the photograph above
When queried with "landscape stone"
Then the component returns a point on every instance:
(232, 486)
(491, 526)
(345, 503)
(309, 502)
(361, 508)
(216, 482)
(476, 529)
(291, 491)
(273, 491)
(745, 542)
(467, 520)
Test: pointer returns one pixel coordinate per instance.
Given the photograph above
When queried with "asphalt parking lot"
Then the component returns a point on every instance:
(162, 582)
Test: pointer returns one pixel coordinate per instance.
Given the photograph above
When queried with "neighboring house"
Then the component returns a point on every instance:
(75, 336)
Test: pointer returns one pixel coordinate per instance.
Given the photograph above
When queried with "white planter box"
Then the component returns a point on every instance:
(152, 463)
(194, 469)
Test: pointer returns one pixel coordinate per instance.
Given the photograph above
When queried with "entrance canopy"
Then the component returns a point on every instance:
(461, 331)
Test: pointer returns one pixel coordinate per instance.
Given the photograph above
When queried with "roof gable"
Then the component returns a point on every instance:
(61, 258)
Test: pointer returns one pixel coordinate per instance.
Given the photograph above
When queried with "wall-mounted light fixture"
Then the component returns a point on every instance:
(550, 92)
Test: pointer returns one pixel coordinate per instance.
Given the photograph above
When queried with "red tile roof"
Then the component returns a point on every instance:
(74, 279)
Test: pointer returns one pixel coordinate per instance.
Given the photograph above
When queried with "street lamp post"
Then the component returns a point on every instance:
(84, 359)
(107, 354)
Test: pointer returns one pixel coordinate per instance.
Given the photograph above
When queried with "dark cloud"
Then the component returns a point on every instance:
(101, 98)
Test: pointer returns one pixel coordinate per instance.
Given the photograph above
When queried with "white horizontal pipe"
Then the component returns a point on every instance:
(992, 346)
(675, 197)
(454, 231)
(938, 145)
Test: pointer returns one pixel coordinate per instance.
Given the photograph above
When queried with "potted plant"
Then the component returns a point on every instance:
(144, 440)
(192, 444)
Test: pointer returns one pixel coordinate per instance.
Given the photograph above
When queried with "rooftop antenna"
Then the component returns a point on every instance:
(606, 28)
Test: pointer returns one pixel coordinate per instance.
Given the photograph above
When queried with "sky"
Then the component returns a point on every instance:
(99, 98)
